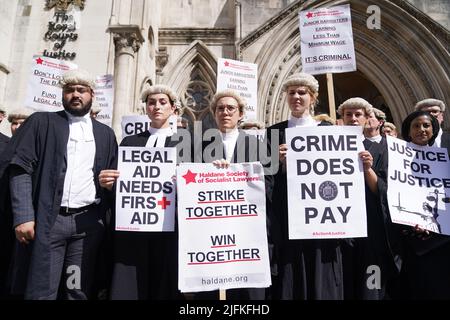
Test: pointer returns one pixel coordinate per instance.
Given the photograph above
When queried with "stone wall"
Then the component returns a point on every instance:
(438, 10)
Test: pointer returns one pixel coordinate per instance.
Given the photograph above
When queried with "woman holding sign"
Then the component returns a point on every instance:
(305, 269)
(231, 145)
(426, 264)
(145, 263)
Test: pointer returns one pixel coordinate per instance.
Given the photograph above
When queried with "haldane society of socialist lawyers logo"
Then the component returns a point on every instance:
(328, 190)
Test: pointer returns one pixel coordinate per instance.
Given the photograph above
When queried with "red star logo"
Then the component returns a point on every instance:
(39, 61)
(226, 63)
(309, 15)
(164, 203)
(190, 177)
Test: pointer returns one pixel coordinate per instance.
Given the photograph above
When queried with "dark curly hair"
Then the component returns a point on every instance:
(406, 125)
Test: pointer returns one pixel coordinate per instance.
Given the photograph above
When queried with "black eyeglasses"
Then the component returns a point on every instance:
(231, 109)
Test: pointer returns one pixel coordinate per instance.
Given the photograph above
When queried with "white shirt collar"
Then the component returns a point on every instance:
(376, 139)
(437, 141)
(306, 121)
(161, 131)
(80, 127)
(86, 118)
(230, 135)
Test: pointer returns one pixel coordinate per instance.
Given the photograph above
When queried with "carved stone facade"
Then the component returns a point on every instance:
(178, 43)
(64, 4)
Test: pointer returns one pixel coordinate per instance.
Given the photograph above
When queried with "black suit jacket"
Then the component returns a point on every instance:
(3, 142)
(445, 141)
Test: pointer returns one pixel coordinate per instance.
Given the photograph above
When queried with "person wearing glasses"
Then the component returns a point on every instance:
(436, 108)
(231, 145)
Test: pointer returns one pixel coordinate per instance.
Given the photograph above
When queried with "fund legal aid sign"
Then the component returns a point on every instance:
(419, 185)
(145, 190)
(222, 227)
(325, 183)
(326, 38)
(44, 92)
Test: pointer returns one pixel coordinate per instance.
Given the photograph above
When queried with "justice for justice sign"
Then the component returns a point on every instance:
(222, 227)
(145, 192)
(44, 92)
(419, 185)
(325, 183)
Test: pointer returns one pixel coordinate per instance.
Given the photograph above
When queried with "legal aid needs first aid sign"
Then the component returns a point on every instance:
(222, 227)
(145, 191)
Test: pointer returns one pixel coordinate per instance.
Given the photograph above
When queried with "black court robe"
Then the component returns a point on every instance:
(3, 142)
(425, 273)
(39, 148)
(145, 265)
(6, 232)
(246, 150)
(445, 141)
(382, 249)
(305, 269)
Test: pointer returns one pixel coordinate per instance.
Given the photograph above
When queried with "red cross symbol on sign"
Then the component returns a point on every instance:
(164, 203)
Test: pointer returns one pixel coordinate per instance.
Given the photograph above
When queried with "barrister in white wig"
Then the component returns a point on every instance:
(17, 117)
(232, 145)
(382, 246)
(58, 206)
(437, 109)
(145, 264)
(301, 269)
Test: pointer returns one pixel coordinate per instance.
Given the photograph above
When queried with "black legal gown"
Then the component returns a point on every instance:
(39, 147)
(145, 265)
(302, 269)
(382, 248)
(425, 272)
(246, 150)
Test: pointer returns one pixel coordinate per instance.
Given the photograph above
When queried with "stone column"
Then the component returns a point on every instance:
(127, 41)
(237, 26)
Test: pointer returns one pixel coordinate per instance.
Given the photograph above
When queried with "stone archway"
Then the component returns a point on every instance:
(193, 76)
(407, 60)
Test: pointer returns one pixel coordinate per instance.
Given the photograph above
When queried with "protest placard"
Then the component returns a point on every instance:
(325, 182)
(327, 40)
(241, 77)
(419, 185)
(222, 227)
(145, 191)
(44, 92)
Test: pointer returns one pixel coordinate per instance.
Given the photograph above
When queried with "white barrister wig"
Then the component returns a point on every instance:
(355, 103)
(429, 103)
(160, 88)
(302, 79)
(228, 93)
(78, 76)
(20, 113)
